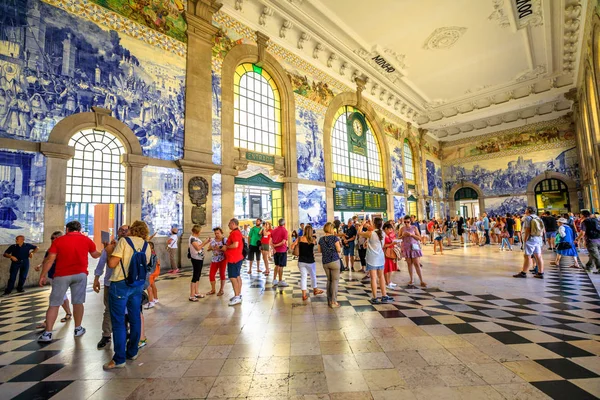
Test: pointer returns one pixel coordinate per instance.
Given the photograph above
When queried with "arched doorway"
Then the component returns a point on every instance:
(95, 184)
(552, 195)
(466, 201)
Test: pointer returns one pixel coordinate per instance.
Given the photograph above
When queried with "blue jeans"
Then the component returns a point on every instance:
(123, 297)
(21, 268)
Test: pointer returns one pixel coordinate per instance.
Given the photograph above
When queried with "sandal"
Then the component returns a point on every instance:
(221, 293)
(66, 318)
(318, 291)
(211, 292)
(304, 297)
(423, 284)
(41, 325)
(199, 296)
(193, 299)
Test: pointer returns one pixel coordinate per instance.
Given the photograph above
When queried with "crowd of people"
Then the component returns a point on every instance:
(129, 264)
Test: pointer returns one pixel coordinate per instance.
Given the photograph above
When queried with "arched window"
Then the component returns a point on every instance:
(593, 105)
(348, 165)
(409, 163)
(95, 173)
(257, 110)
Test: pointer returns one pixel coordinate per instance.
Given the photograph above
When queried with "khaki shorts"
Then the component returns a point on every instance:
(60, 285)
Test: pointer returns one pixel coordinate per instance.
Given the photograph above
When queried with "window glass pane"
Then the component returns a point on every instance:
(256, 125)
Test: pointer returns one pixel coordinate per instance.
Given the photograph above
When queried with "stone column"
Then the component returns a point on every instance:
(291, 207)
(57, 157)
(197, 150)
(227, 197)
(134, 165)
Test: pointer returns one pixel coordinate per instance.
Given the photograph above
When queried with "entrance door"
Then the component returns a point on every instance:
(467, 203)
(552, 195)
(95, 182)
(258, 197)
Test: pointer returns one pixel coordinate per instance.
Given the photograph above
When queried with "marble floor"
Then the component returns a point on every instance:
(475, 333)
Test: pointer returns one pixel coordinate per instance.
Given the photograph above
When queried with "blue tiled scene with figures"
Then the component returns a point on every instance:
(22, 193)
(312, 205)
(54, 64)
(162, 195)
(311, 161)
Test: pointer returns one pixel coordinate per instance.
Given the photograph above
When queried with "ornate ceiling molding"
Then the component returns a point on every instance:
(519, 15)
(443, 38)
(531, 73)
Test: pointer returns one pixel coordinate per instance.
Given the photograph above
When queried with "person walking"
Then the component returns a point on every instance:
(66, 305)
(330, 248)
(234, 249)
(550, 226)
(504, 235)
(19, 254)
(172, 250)
(510, 228)
(566, 245)
(361, 243)
(195, 246)
(590, 226)
(106, 323)
(438, 239)
(279, 237)
(218, 261)
(254, 237)
(532, 239)
(411, 251)
(123, 297)
(486, 228)
(306, 261)
(391, 257)
(375, 258)
(70, 252)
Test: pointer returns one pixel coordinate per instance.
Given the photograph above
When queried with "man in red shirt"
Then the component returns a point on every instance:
(71, 255)
(233, 253)
(430, 225)
(279, 236)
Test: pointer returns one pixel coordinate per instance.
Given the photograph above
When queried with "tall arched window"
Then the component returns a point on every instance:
(593, 105)
(349, 166)
(95, 173)
(409, 163)
(257, 110)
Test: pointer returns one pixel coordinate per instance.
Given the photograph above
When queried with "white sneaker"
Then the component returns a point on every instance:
(275, 282)
(234, 297)
(283, 284)
(389, 286)
(155, 301)
(392, 284)
(45, 337)
(235, 300)
(79, 331)
(149, 305)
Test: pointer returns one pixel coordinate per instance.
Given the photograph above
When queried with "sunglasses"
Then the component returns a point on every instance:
(407, 222)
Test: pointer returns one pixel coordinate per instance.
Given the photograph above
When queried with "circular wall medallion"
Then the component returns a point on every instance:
(444, 38)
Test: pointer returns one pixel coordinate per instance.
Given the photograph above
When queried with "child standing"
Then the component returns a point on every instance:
(505, 242)
(154, 273)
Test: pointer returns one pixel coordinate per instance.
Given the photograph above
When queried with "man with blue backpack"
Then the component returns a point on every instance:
(129, 260)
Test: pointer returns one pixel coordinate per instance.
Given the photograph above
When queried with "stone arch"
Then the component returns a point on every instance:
(595, 56)
(460, 185)
(242, 53)
(572, 187)
(99, 118)
(350, 99)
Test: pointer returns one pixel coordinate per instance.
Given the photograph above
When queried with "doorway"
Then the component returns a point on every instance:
(552, 195)
(258, 197)
(467, 202)
(95, 187)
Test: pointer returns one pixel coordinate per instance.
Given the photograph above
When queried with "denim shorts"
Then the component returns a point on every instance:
(234, 269)
(349, 250)
(374, 267)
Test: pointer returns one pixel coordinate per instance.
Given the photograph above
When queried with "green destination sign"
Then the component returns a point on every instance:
(259, 157)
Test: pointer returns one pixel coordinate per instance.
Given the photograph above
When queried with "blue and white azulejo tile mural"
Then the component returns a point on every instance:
(512, 174)
(396, 165)
(399, 207)
(434, 177)
(312, 206)
(162, 199)
(309, 144)
(499, 206)
(54, 64)
(22, 193)
(216, 117)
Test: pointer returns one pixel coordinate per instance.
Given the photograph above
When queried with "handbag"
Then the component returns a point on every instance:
(296, 250)
(564, 246)
(390, 253)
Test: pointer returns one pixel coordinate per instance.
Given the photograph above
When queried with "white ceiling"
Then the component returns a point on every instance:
(462, 67)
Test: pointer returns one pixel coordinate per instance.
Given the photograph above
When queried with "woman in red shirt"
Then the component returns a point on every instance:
(265, 244)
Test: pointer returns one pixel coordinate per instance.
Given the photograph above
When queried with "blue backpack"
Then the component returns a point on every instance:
(138, 266)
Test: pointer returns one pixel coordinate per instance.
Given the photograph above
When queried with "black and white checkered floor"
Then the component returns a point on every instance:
(540, 341)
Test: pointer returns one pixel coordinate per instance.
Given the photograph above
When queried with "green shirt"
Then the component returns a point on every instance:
(254, 236)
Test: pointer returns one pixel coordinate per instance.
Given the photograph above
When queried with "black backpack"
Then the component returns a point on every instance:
(138, 266)
(245, 248)
(592, 228)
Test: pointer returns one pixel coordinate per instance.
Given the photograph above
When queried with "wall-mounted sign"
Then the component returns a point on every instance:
(259, 157)
(524, 8)
(382, 62)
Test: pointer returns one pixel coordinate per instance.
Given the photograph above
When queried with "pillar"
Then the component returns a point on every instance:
(57, 157)
(134, 165)
(227, 198)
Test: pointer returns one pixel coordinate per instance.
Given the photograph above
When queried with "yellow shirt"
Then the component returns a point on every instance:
(124, 251)
(518, 224)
